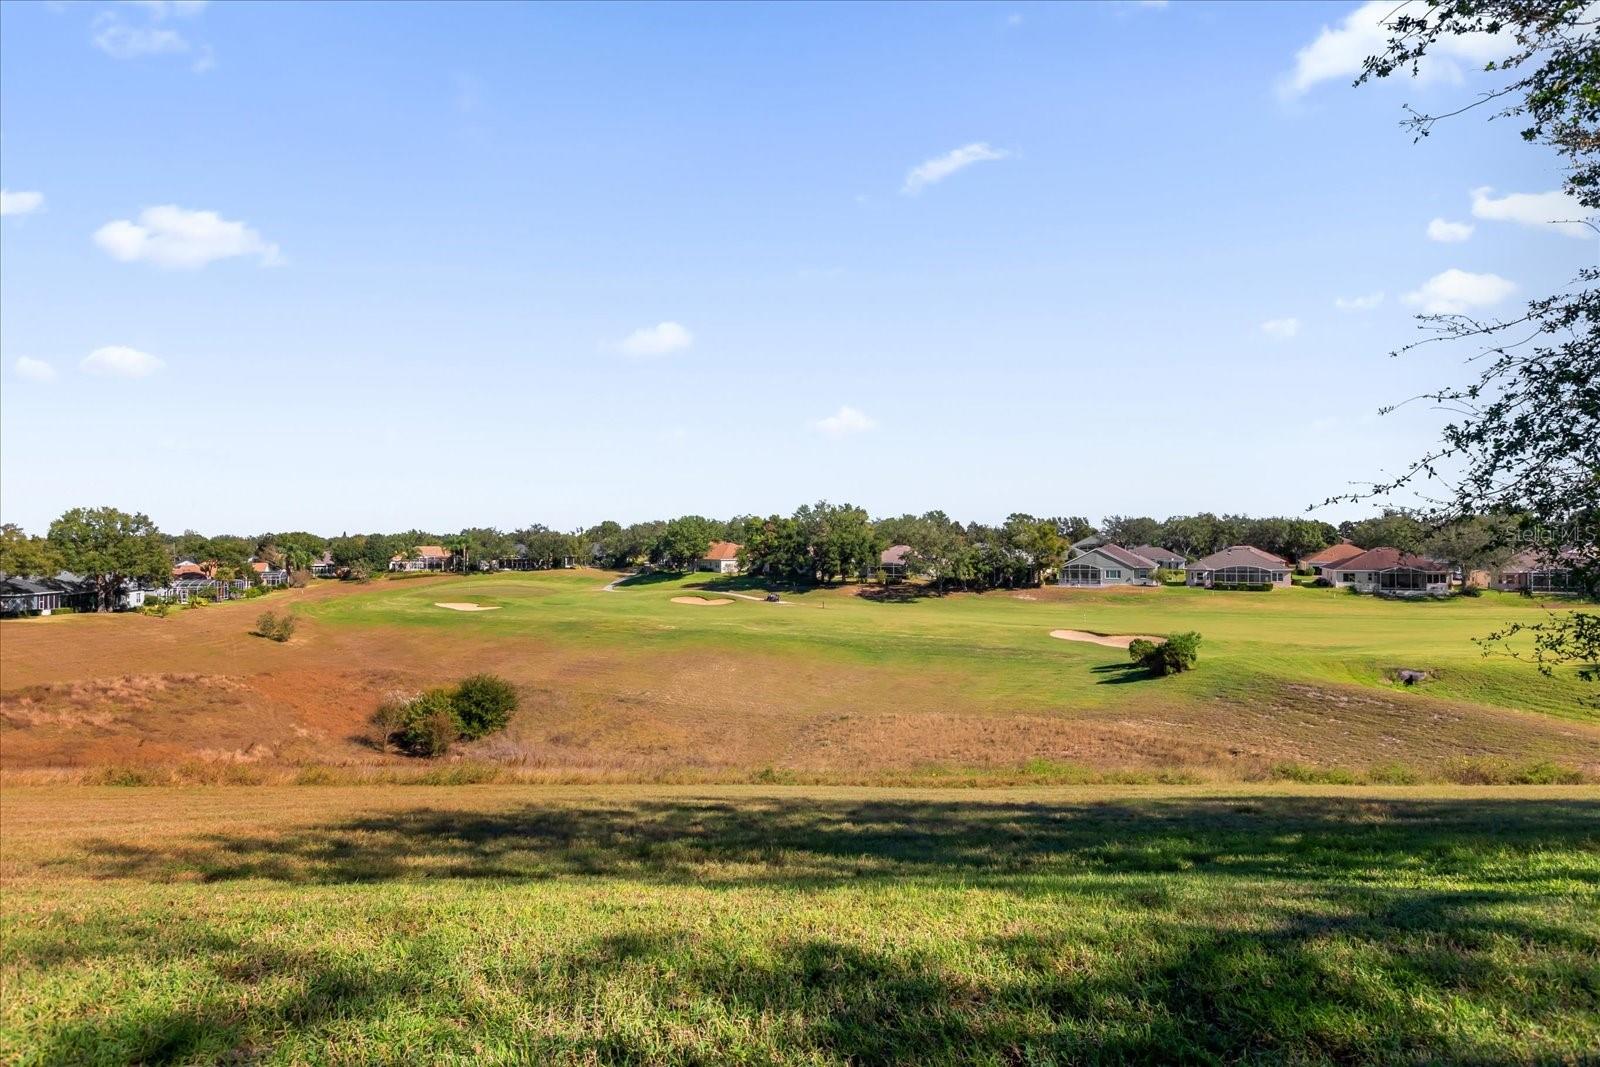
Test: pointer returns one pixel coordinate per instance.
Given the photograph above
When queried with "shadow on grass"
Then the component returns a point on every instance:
(1231, 929)
(1121, 673)
(811, 841)
(1221, 929)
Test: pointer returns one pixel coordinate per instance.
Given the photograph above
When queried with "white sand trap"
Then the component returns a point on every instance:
(467, 607)
(702, 602)
(1109, 640)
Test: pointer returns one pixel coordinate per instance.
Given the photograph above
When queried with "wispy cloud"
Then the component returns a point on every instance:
(170, 236)
(935, 170)
(1554, 210)
(844, 422)
(154, 35)
(34, 370)
(20, 203)
(1456, 292)
(1365, 302)
(120, 361)
(658, 340)
(1449, 232)
(1281, 329)
(1338, 51)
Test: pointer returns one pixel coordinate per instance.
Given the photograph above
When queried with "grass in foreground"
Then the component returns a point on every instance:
(800, 926)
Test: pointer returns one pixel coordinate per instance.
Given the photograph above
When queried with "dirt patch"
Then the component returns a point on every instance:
(1109, 640)
(454, 606)
(702, 602)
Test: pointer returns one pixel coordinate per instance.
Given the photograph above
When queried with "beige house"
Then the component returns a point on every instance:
(721, 558)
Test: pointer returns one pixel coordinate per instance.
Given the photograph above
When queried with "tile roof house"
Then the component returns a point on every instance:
(1532, 571)
(1331, 556)
(1389, 570)
(426, 558)
(722, 558)
(1106, 565)
(269, 574)
(1239, 566)
(1161, 557)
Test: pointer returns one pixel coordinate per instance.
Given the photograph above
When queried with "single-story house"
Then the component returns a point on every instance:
(1239, 565)
(1164, 558)
(41, 596)
(425, 558)
(1532, 572)
(269, 575)
(1105, 565)
(1330, 557)
(1389, 570)
(893, 561)
(325, 567)
(722, 558)
(188, 569)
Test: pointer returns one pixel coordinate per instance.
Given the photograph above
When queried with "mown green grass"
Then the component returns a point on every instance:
(995, 647)
(638, 925)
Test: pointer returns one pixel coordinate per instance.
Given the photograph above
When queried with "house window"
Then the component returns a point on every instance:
(1080, 574)
(1113, 574)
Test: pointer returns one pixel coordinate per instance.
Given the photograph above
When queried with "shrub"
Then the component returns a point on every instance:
(427, 725)
(1139, 648)
(254, 591)
(1175, 655)
(1470, 589)
(299, 579)
(483, 704)
(275, 627)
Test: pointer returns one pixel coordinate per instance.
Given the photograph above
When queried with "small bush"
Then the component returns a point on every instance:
(1392, 774)
(1471, 590)
(427, 726)
(483, 704)
(1139, 648)
(276, 627)
(1175, 655)
(254, 591)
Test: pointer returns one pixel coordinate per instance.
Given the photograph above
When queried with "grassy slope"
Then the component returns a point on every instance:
(995, 648)
(646, 925)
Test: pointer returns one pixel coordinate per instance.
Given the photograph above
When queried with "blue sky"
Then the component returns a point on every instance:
(370, 267)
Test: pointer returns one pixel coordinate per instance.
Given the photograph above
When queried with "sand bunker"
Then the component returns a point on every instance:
(467, 607)
(702, 602)
(1109, 640)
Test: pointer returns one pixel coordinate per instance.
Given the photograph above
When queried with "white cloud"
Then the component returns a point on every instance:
(120, 361)
(119, 40)
(1554, 210)
(939, 168)
(35, 370)
(20, 203)
(170, 236)
(1365, 302)
(1338, 51)
(160, 9)
(657, 340)
(1454, 292)
(1013, 19)
(844, 422)
(1449, 232)
(1282, 329)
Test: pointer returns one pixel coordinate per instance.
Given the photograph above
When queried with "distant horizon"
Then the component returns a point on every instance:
(353, 266)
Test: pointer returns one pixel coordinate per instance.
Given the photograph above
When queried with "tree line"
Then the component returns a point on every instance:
(816, 543)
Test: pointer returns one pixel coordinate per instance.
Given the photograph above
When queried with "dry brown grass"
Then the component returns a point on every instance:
(194, 690)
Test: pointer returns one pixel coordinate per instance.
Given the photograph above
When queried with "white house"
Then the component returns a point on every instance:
(722, 558)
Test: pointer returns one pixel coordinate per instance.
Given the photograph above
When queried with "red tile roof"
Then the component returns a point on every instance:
(722, 550)
(1387, 559)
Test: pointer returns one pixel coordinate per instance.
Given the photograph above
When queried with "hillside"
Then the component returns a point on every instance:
(832, 684)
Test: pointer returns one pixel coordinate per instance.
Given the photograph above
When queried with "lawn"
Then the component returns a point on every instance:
(999, 642)
(1245, 924)
(835, 686)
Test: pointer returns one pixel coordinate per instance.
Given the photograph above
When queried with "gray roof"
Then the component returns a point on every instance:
(1240, 556)
(1158, 555)
(1116, 554)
